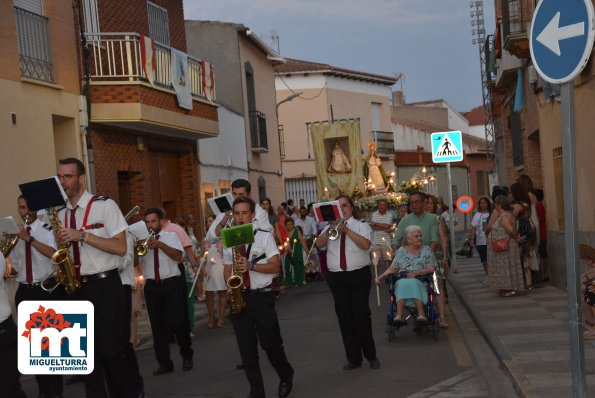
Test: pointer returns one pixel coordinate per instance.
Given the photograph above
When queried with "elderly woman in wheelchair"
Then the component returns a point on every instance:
(414, 265)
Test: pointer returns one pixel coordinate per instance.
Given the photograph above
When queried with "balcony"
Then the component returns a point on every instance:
(117, 57)
(258, 131)
(122, 95)
(35, 56)
(507, 70)
(385, 143)
(516, 20)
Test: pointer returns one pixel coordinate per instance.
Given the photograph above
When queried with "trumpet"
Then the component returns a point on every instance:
(141, 247)
(333, 231)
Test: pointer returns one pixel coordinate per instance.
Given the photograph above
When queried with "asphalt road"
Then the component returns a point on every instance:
(459, 364)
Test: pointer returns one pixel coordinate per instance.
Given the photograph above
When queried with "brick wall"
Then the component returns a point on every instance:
(123, 93)
(132, 16)
(115, 150)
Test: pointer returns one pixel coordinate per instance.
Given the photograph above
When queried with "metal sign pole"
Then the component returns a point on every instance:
(453, 260)
(577, 355)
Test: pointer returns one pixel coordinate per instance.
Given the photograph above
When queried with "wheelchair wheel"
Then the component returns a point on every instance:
(392, 333)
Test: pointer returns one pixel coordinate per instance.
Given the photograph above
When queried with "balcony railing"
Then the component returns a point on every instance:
(116, 57)
(385, 142)
(258, 131)
(516, 18)
(35, 54)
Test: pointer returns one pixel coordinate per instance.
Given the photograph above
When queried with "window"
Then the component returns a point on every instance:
(262, 188)
(91, 16)
(158, 23)
(224, 186)
(483, 183)
(257, 120)
(376, 116)
(33, 35)
(208, 192)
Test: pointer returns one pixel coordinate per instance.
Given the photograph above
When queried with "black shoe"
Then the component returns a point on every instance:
(285, 387)
(163, 369)
(374, 363)
(187, 364)
(352, 365)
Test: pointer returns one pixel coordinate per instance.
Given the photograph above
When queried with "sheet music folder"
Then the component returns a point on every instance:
(43, 194)
(8, 226)
(236, 236)
(221, 204)
(328, 211)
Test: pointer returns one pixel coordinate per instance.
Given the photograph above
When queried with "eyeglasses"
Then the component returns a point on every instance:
(66, 177)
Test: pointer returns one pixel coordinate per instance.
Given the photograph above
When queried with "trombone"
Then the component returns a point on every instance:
(133, 212)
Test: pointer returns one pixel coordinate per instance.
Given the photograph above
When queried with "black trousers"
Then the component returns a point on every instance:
(9, 373)
(112, 371)
(351, 292)
(167, 308)
(258, 323)
(46, 384)
(137, 379)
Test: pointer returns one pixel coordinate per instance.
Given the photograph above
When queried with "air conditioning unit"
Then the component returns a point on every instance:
(532, 74)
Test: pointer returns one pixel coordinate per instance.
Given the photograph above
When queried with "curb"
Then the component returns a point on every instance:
(520, 382)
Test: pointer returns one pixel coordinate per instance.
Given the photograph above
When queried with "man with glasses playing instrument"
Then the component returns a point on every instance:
(96, 230)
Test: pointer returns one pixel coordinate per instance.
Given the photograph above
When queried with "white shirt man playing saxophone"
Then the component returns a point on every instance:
(96, 230)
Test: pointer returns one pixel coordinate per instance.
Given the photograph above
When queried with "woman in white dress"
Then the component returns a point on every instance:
(215, 281)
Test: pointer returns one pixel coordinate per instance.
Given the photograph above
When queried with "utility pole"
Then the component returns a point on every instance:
(485, 46)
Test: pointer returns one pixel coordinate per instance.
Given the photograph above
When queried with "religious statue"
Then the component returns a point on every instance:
(339, 162)
(374, 172)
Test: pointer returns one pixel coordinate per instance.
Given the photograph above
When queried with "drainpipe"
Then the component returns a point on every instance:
(84, 103)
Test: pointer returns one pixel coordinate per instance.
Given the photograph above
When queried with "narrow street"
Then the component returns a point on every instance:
(459, 364)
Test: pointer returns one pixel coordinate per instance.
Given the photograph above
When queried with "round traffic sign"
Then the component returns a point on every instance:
(561, 38)
(465, 204)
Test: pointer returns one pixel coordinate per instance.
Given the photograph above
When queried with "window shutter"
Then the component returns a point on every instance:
(30, 5)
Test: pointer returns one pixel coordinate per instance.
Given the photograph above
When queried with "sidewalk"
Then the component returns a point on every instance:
(528, 333)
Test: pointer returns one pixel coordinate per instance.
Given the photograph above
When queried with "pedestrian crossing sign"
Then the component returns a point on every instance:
(447, 147)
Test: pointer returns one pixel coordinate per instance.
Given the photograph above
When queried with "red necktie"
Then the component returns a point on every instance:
(28, 262)
(342, 257)
(75, 245)
(246, 275)
(156, 262)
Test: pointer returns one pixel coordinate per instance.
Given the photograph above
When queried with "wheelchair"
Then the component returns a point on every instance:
(432, 326)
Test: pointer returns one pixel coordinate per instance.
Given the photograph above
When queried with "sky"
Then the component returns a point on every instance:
(428, 41)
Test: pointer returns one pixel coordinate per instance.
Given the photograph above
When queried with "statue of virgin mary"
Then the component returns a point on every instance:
(339, 162)
(374, 171)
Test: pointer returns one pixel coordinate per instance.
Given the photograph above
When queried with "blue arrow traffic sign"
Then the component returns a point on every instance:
(561, 38)
(447, 147)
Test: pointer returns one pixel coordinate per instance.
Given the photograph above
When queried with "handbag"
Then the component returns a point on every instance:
(500, 245)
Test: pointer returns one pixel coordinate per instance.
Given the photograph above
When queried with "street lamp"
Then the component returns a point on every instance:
(291, 97)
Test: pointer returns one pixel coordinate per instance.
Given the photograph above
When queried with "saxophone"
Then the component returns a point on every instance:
(235, 283)
(66, 274)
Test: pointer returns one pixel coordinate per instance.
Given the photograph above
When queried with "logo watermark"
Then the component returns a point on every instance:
(56, 337)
